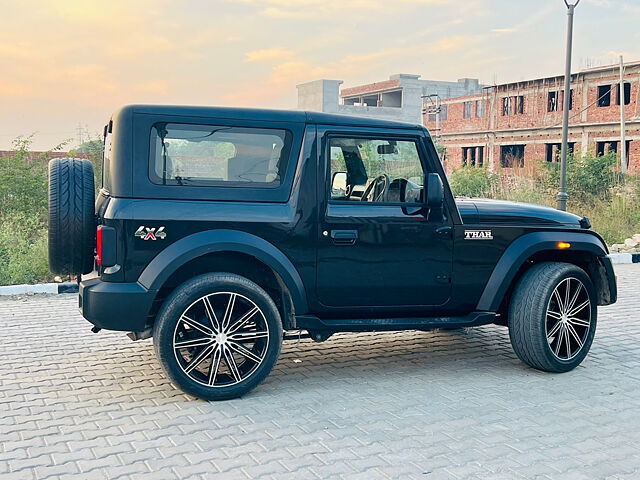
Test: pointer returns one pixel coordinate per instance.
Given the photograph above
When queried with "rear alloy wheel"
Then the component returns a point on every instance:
(218, 336)
(221, 351)
(553, 316)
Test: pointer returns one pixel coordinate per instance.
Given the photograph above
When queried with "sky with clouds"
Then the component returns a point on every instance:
(67, 63)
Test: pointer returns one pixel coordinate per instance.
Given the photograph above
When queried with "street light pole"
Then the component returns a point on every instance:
(562, 194)
(623, 140)
(436, 111)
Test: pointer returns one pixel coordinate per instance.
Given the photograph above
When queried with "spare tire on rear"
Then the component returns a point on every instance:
(72, 225)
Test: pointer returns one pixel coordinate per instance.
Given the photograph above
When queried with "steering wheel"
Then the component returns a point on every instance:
(379, 186)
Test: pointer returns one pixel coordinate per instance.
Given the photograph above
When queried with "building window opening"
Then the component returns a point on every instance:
(604, 148)
(507, 106)
(370, 101)
(552, 102)
(468, 156)
(480, 108)
(480, 157)
(512, 156)
(570, 98)
(519, 105)
(468, 107)
(391, 99)
(604, 95)
(433, 110)
(627, 94)
(553, 151)
(472, 156)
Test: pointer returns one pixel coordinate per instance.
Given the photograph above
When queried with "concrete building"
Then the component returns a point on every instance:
(399, 98)
(510, 124)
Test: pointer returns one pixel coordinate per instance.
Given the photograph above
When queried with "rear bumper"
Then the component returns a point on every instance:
(115, 306)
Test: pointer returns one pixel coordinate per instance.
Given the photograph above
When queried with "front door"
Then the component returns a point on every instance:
(377, 247)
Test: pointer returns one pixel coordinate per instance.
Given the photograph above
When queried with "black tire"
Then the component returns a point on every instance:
(187, 306)
(72, 226)
(534, 316)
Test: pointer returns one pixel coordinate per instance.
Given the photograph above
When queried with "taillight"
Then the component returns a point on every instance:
(99, 246)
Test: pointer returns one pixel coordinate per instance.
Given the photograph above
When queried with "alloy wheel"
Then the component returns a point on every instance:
(568, 318)
(221, 339)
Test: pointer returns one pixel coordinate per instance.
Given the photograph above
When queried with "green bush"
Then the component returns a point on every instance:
(523, 189)
(93, 151)
(596, 190)
(23, 181)
(615, 219)
(23, 216)
(23, 249)
(589, 178)
(473, 182)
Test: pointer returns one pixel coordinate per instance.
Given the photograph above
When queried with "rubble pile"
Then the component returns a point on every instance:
(630, 245)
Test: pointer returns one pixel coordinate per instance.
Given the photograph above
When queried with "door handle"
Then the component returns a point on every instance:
(344, 237)
(445, 231)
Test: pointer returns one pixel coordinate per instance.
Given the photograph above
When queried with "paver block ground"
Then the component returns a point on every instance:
(410, 404)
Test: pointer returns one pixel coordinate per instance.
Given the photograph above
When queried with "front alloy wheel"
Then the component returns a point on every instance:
(568, 318)
(218, 336)
(552, 316)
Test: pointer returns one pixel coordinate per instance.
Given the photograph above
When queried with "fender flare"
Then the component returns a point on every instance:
(523, 248)
(193, 246)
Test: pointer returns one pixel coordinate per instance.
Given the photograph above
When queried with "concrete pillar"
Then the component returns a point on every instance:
(584, 144)
(411, 97)
(319, 95)
(491, 153)
(585, 100)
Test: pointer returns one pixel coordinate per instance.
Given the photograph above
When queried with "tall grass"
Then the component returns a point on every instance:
(596, 190)
(23, 249)
(23, 215)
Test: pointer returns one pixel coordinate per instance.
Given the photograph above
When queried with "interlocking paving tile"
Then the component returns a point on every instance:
(425, 405)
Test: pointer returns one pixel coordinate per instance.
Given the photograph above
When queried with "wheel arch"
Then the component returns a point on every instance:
(227, 250)
(586, 251)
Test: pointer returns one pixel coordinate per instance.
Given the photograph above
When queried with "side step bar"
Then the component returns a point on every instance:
(313, 323)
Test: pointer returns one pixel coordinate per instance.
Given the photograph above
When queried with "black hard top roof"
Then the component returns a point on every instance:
(265, 115)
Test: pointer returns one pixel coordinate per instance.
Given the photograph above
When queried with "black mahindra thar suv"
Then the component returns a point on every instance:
(217, 231)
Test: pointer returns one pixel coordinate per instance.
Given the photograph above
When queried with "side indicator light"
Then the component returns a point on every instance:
(563, 245)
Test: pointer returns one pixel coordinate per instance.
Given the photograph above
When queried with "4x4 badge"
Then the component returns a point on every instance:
(148, 233)
(478, 235)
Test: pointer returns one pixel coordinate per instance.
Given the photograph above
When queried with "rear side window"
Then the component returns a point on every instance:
(209, 155)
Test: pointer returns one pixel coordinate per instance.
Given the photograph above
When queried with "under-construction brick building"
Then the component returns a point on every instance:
(511, 124)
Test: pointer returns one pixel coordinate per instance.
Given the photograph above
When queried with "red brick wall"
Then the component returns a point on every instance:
(372, 87)
(34, 156)
(536, 126)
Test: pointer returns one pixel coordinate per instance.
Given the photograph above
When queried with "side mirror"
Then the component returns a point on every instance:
(434, 190)
(339, 184)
